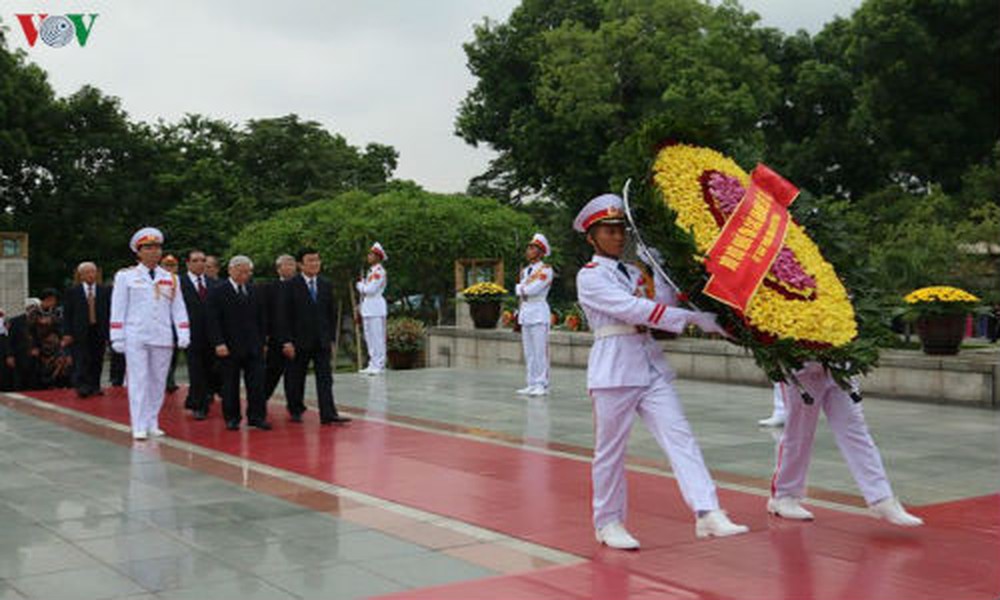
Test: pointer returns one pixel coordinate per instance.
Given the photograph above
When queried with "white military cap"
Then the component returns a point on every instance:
(377, 249)
(539, 240)
(606, 208)
(146, 235)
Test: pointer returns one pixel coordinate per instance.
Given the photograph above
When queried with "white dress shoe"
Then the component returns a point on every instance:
(614, 535)
(365, 371)
(891, 510)
(140, 435)
(157, 432)
(525, 390)
(772, 421)
(788, 508)
(716, 523)
(538, 391)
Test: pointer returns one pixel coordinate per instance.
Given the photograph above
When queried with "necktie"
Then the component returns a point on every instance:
(91, 306)
(621, 267)
(312, 289)
(243, 291)
(152, 273)
(202, 290)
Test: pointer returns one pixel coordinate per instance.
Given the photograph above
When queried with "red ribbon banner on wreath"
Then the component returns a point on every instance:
(750, 240)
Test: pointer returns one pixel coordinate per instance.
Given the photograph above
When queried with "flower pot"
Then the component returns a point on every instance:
(399, 359)
(941, 334)
(485, 314)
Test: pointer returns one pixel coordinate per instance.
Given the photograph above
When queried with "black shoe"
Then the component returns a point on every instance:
(262, 425)
(172, 388)
(82, 393)
(337, 419)
(200, 414)
(295, 417)
(189, 404)
(233, 424)
(97, 392)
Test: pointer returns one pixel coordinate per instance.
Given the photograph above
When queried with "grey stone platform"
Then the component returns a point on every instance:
(972, 378)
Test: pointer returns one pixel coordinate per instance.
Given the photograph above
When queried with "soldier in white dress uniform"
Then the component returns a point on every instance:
(146, 309)
(373, 309)
(533, 315)
(847, 421)
(628, 374)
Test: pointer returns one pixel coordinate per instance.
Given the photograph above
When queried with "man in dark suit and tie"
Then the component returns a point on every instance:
(306, 327)
(195, 287)
(274, 367)
(86, 312)
(236, 332)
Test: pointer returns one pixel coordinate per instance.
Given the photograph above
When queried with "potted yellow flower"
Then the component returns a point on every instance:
(940, 313)
(484, 300)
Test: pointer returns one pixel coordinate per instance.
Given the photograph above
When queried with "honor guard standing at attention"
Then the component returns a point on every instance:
(373, 309)
(146, 308)
(533, 315)
(628, 374)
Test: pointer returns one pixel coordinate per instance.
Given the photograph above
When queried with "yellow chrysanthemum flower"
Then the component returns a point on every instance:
(940, 293)
(826, 317)
(484, 288)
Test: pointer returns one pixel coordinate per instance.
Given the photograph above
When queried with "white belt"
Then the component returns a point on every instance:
(613, 330)
(532, 300)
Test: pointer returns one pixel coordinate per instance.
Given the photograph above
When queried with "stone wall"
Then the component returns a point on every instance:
(972, 378)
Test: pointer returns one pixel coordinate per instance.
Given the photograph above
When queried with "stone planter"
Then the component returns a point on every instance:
(485, 315)
(401, 360)
(941, 335)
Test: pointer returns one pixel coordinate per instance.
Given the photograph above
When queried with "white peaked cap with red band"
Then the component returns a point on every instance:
(377, 249)
(606, 208)
(146, 235)
(540, 240)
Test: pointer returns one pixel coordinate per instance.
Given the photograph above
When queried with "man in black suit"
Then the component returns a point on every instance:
(195, 286)
(236, 332)
(275, 364)
(86, 312)
(22, 359)
(306, 328)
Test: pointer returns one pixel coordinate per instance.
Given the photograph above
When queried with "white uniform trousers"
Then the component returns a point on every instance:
(535, 340)
(847, 421)
(146, 372)
(375, 340)
(779, 402)
(661, 411)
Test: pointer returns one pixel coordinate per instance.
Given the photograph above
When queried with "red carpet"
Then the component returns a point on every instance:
(546, 500)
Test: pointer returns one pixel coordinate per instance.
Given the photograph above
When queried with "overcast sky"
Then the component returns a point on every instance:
(389, 71)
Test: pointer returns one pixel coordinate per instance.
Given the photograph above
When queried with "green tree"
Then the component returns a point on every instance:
(575, 98)
(423, 233)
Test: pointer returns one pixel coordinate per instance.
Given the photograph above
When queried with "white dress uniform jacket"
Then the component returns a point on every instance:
(371, 290)
(619, 314)
(146, 310)
(533, 291)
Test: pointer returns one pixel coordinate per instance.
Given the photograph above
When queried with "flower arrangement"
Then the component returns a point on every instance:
(801, 311)
(484, 291)
(508, 318)
(405, 334)
(939, 300)
(572, 322)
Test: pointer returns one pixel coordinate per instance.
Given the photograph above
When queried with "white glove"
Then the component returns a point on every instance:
(118, 346)
(183, 344)
(654, 254)
(706, 322)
